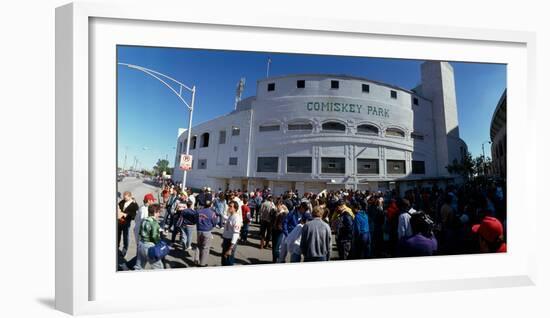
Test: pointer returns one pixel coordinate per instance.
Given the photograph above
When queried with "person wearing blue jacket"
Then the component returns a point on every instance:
(206, 221)
(361, 232)
(294, 217)
(187, 220)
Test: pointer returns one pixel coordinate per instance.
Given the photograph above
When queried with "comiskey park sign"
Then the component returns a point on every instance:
(342, 107)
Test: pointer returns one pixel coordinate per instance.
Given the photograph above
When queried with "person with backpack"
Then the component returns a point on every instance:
(423, 241)
(143, 212)
(343, 230)
(361, 232)
(404, 229)
(149, 236)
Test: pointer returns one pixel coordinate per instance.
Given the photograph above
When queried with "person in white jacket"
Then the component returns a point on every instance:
(404, 229)
(291, 243)
(231, 231)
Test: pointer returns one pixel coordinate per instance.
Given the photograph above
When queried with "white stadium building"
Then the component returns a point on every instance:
(311, 132)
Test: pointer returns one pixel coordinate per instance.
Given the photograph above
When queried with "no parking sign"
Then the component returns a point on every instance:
(186, 162)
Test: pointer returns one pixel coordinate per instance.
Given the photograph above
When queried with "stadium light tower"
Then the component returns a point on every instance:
(178, 90)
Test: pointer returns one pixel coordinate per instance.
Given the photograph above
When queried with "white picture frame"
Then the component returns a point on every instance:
(83, 30)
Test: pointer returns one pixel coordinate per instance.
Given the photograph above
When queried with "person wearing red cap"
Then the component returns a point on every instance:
(142, 214)
(490, 233)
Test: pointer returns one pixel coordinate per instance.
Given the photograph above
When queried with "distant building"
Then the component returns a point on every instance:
(498, 138)
(316, 131)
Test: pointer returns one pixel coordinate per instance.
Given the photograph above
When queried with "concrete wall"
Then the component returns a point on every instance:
(216, 154)
(348, 105)
(439, 87)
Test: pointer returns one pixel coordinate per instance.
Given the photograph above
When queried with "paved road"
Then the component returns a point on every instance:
(246, 254)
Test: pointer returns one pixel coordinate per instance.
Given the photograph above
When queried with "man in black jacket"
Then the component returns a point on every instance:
(128, 208)
(344, 230)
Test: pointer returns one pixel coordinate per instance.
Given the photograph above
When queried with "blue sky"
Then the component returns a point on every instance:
(149, 114)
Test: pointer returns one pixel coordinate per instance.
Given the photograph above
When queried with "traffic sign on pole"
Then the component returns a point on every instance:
(186, 162)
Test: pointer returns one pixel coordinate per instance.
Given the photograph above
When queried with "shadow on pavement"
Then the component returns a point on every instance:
(47, 302)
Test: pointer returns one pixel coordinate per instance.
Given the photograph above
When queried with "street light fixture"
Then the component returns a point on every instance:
(178, 90)
(483, 152)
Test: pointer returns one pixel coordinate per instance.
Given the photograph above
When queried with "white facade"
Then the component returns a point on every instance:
(316, 131)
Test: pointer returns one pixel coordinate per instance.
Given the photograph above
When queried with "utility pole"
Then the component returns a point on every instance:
(483, 153)
(125, 156)
(178, 91)
(268, 65)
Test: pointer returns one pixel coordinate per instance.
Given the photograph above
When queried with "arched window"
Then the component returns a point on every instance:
(395, 132)
(367, 129)
(205, 139)
(334, 126)
(193, 142)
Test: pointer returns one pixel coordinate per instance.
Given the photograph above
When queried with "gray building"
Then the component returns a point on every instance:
(321, 131)
(498, 138)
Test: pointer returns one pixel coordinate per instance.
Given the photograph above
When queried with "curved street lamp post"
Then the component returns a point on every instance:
(180, 86)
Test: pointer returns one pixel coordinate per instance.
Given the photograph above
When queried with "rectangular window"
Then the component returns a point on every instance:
(393, 94)
(202, 164)
(304, 126)
(418, 167)
(415, 101)
(365, 88)
(334, 84)
(205, 140)
(268, 164)
(300, 83)
(395, 166)
(367, 166)
(270, 128)
(333, 165)
(270, 87)
(235, 131)
(222, 137)
(417, 136)
(232, 161)
(298, 164)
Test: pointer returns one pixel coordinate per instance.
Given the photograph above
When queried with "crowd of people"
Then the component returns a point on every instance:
(306, 227)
